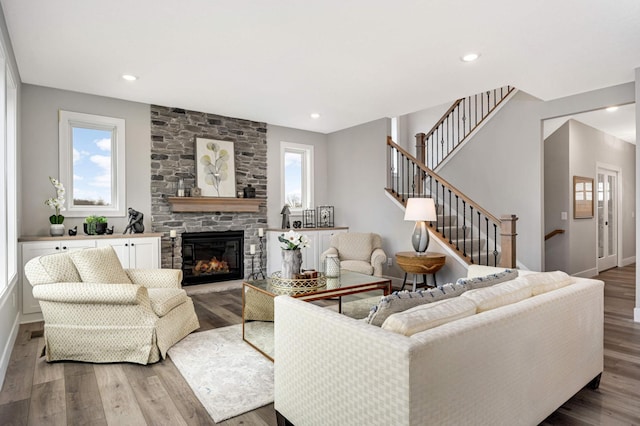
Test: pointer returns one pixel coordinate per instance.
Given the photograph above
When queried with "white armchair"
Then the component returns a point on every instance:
(96, 311)
(358, 252)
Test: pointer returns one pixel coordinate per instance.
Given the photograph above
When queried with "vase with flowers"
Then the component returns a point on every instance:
(56, 227)
(291, 242)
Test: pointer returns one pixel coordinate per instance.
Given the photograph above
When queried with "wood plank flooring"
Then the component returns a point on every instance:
(38, 393)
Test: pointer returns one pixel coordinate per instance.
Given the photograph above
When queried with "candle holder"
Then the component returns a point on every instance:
(173, 250)
(259, 274)
(261, 271)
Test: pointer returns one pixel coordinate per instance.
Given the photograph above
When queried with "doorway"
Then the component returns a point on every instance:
(607, 207)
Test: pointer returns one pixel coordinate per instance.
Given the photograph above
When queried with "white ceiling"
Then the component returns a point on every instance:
(620, 123)
(352, 61)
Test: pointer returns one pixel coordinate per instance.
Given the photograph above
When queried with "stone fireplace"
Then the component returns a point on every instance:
(173, 134)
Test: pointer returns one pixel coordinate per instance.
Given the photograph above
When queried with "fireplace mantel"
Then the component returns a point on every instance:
(215, 204)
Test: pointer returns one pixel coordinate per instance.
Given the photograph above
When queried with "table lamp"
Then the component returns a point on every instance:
(421, 210)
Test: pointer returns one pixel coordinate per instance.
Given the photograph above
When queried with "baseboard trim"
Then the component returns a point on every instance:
(6, 351)
(628, 261)
(589, 273)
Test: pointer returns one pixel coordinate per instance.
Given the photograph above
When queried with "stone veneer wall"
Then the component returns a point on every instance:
(173, 134)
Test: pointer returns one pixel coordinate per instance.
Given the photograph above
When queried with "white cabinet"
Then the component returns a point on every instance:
(39, 248)
(135, 253)
(319, 242)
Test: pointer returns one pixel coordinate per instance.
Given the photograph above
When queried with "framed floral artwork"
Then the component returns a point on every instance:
(215, 168)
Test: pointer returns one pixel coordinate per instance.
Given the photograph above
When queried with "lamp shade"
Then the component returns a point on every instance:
(420, 209)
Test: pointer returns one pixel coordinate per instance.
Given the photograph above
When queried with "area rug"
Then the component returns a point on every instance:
(227, 375)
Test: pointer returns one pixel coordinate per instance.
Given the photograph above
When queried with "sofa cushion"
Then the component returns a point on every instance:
(490, 279)
(355, 246)
(402, 300)
(499, 295)
(163, 300)
(60, 268)
(543, 282)
(424, 317)
(99, 265)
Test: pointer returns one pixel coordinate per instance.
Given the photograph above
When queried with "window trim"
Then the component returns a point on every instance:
(307, 174)
(68, 120)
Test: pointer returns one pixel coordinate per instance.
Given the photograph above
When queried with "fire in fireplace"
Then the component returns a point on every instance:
(212, 256)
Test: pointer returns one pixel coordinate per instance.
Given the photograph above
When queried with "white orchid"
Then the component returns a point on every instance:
(56, 203)
(292, 240)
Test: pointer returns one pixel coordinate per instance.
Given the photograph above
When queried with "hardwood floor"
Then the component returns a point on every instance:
(37, 393)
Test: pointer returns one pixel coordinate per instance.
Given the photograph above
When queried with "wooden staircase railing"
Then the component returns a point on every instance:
(462, 224)
(456, 125)
(553, 233)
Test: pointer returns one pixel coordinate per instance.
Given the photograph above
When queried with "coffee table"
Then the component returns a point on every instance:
(258, 295)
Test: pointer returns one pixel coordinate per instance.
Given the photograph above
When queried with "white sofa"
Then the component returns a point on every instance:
(512, 365)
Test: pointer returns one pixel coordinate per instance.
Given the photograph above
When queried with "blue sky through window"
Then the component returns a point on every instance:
(293, 179)
(91, 166)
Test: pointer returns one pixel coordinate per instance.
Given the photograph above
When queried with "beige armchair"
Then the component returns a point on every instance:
(96, 311)
(358, 252)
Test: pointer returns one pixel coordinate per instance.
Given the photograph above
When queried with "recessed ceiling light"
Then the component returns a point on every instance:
(612, 108)
(470, 57)
(314, 115)
(129, 77)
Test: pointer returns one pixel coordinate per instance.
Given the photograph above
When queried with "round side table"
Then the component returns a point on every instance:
(420, 264)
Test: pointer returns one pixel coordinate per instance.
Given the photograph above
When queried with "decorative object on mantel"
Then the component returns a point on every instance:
(196, 191)
(109, 231)
(297, 224)
(180, 191)
(291, 242)
(325, 216)
(135, 222)
(215, 167)
(285, 212)
(249, 191)
(309, 218)
(73, 231)
(56, 228)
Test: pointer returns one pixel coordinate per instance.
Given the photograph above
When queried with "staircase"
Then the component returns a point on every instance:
(469, 230)
(458, 125)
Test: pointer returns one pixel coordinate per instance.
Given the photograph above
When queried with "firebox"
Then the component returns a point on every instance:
(212, 256)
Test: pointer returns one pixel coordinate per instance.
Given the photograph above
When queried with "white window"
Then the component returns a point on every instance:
(92, 164)
(297, 175)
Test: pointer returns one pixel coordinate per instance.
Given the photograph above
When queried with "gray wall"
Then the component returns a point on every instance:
(39, 112)
(589, 146)
(557, 198)
(501, 169)
(277, 134)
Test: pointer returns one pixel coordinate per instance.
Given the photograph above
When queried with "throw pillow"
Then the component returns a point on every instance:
(402, 300)
(546, 281)
(355, 246)
(99, 265)
(424, 317)
(489, 280)
(499, 295)
(60, 268)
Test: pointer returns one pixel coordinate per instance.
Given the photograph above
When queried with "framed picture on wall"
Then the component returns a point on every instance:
(215, 168)
(582, 197)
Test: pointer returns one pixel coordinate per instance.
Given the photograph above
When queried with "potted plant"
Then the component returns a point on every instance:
(95, 225)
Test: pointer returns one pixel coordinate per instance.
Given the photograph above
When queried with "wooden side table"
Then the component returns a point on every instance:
(423, 264)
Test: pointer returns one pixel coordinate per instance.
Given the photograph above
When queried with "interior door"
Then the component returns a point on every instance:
(607, 219)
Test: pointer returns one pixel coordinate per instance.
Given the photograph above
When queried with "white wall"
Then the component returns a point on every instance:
(636, 314)
(277, 134)
(39, 112)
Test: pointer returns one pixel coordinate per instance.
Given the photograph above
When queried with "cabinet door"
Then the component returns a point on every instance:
(144, 253)
(324, 242)
(120, 246)
(310, 254)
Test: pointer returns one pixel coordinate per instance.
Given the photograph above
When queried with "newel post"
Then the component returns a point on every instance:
(508, 240)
